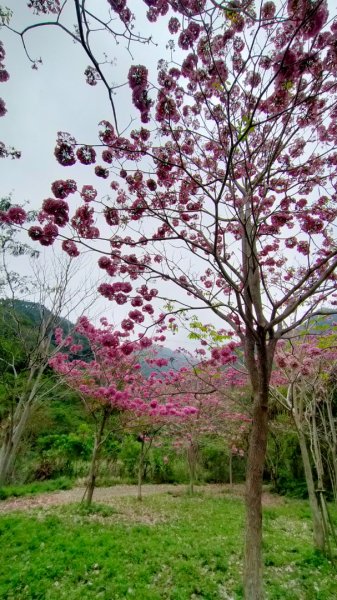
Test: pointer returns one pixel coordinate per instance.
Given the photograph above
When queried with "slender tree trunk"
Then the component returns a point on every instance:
(230, 468)
(318, 529)
(191, 459)
(140, 471)
(94, 461)
(11, 442)
(317, 456)
(333, 447)
(254, 478)
(18, 424)
(92, 475)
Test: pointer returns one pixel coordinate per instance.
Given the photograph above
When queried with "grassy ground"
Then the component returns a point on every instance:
(169, 547)
(16, 491)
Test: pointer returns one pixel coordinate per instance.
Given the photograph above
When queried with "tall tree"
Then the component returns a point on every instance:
(112, 382)
(306, 371)
(228, 188)
(26, 346)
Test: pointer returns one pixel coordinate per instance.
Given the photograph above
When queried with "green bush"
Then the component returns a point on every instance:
(129, 457)
(284, 467)
(58, 454)
(161, 466)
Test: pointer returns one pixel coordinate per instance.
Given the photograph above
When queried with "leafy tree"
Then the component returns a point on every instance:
(306, 369)
(26, 347)
(111, 383)
(226, 190)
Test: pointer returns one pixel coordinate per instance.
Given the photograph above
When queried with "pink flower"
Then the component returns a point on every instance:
(303, 248)
(70, 248)
(86, 155)
(49, 234)
(107, 156)
(44, 6)
(4, 75)
(136, 316)
(104, 262)
(61, 189)
(92, 75)
(64, 154)
(111, 216)
(127, 348)
(173, 25)
(138, 77)
(145, 342)
(127, 324)
(35, 232)
(88, 193)
(102, 172)
(17, 215)
(268, 10)
(58, 209)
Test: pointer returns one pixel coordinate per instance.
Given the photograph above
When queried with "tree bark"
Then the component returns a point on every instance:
(254, 477)
(11, 443)
(140, 471)
(18, 424)
(191, 459)
(230, 466)
(333, 448)
(259, 353)
(318, 529)
(94, 461)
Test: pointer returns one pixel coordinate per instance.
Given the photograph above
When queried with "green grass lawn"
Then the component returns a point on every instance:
(167, 547)
(50, 485)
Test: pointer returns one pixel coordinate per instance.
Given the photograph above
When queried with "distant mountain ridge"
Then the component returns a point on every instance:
(32, 313)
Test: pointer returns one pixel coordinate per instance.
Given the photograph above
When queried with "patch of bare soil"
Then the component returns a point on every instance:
(108, 494)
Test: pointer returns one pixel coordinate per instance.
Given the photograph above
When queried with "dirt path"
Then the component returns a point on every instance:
(106, 495)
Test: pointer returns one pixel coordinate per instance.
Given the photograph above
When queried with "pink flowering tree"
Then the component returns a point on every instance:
(109, 381)
(226, 188)
(217, 396)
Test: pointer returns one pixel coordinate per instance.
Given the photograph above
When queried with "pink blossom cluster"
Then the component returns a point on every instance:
(61, 189)
(228, 161)
(45, 6)
(121, 9)
(138, 82)
(113, 375)
(4, 75)
(15, 214)
(45, 235)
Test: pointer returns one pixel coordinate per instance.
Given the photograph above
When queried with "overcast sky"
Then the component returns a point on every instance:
(56, 98)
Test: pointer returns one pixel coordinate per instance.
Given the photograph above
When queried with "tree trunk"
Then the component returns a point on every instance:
(230, 468)
(317, 456)
(140, 471)
(333, 448)
(88, 496)
(11, 443)
(18, 423)
(254, 477)
(318, 529)
(92, 476)
(191, 459)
